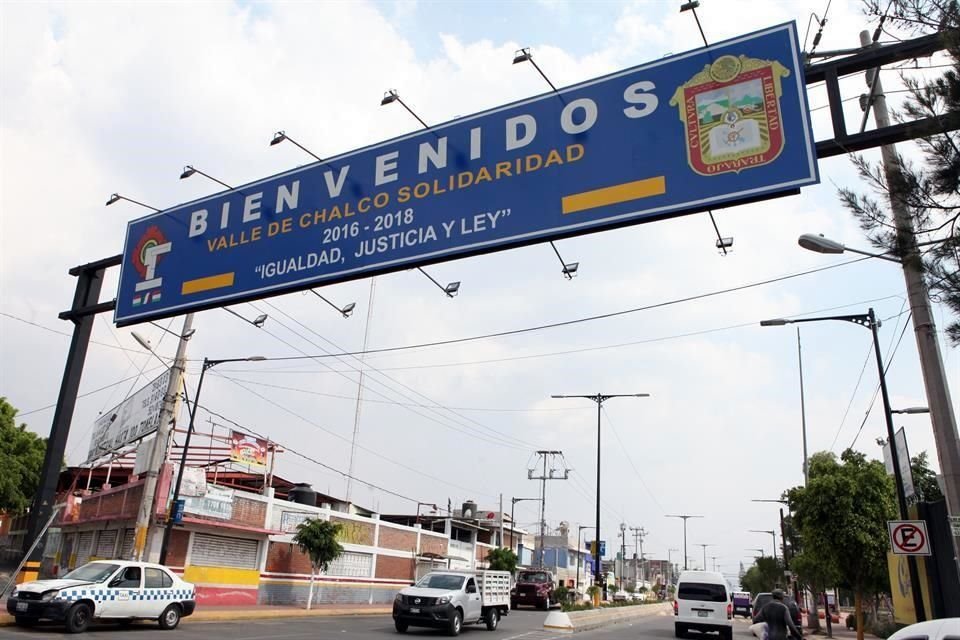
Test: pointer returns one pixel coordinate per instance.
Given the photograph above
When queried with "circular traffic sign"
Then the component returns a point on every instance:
(908, 538)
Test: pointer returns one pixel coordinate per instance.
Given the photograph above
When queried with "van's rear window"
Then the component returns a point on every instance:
(702, 591)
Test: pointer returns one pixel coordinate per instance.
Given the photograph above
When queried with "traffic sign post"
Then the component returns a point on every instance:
(909, 537)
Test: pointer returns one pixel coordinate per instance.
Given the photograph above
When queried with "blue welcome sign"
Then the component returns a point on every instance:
(717, 126)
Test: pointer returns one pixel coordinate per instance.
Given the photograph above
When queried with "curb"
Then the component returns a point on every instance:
(577, 621)
(257, 614)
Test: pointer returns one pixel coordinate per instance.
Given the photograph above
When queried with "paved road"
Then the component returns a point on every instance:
(519, 625)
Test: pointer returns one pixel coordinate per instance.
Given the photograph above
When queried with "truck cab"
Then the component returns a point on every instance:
(451, 599)
(534, 588)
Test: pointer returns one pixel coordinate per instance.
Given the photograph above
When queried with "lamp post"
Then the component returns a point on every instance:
(670, 561)
(600, 398)
(942, 417)
(207, 364)
(580, 529)
(685, 518)
(769, 532)
(705, 553)
(869, 320)
(513, 526)
(345, 311)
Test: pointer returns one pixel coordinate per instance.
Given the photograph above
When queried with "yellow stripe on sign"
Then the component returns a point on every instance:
(206, 284)
(222, 576)
(614, 195)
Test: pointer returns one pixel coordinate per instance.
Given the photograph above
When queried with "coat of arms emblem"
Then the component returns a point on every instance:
(731, 114)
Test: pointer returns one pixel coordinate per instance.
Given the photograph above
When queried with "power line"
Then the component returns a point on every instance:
(369, 368)
(306, 457)
(688, 334)
(565, 323)
(626, 453)
(87, 393)
(445, 481)
(468, 433)
(885, 369)
(64, 333)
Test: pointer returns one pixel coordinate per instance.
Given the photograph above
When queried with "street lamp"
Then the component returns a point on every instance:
(670, 562)
(345, 311)
(760, 551)
(580, 529)
(116, 197)
(513, 526)
(280, 136)
(819, 244)
(189, 170)
(705, 552)
(685, 518)
(600, 398)
(911, 410)
(869, 320)
(769, 532)
(207, 364)
(258, 322)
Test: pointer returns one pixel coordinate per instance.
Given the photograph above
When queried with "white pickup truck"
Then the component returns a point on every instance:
(450, 599)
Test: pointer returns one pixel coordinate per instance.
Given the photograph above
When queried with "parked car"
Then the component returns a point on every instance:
(105, 590)
(702, 603)
(764, 598)
(621, 596)
(451, 599)
(533, 588)
(930, 630)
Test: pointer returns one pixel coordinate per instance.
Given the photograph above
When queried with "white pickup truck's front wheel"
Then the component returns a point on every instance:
(456, 623)
(493, 619)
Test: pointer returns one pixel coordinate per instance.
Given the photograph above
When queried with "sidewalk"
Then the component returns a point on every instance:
(228, 614)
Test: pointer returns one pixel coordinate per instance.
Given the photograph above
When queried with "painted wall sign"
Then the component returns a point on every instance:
(716, 126)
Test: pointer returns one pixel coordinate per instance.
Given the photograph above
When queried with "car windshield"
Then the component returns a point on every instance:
(441, 581)
(538, 577)
(702, 591)
(93, 572)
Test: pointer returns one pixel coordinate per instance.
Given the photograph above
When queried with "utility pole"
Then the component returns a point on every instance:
(638, 534)
(803, 412)
(623, 552)
(161, 441)
(928, 347)
(546, 475)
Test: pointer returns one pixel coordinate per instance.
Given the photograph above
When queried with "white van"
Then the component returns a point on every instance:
(702, 603)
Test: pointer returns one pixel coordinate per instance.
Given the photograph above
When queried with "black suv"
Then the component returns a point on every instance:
(764, 598)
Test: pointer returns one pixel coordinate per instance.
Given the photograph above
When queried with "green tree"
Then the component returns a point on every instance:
(765, 575)
(318, 539)
(502, 559)
(842, 515)
(21, 458)
(930, 189)
(925, 479)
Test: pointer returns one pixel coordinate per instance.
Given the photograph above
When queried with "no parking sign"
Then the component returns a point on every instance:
(909, 537)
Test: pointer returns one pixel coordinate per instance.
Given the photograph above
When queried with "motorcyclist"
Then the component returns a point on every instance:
(778, 619)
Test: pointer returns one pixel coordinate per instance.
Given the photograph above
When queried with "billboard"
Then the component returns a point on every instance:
(713, 127)
(132, 419)
(248, 450)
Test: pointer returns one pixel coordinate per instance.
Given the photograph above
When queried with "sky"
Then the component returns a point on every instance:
(97, 98)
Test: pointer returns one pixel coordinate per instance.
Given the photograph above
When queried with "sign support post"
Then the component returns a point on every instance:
(82, 312)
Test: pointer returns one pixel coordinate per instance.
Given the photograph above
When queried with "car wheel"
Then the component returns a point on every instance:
(493, 619)
(170, 617)
(455, 624)
(25, 622)
(679, 630)
(78, 618)
(400, 626)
